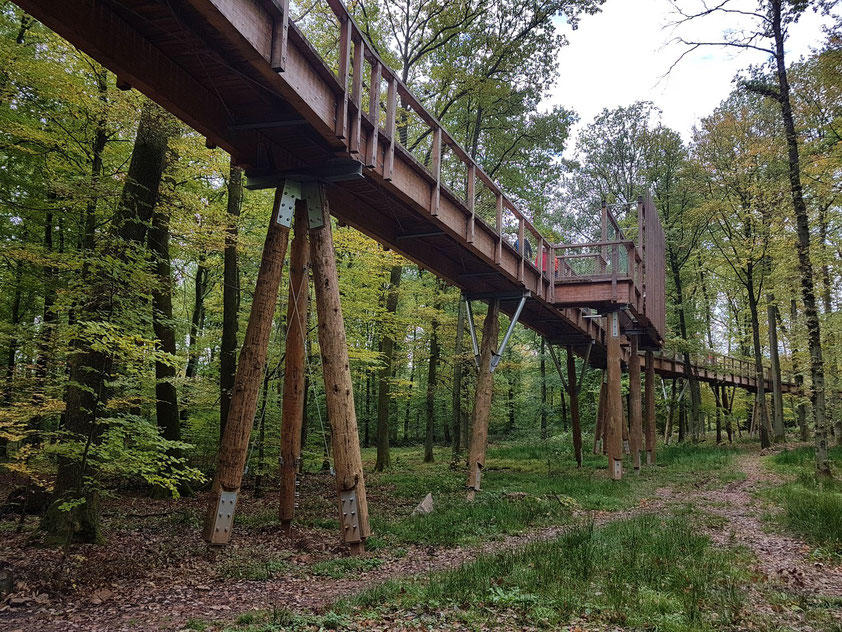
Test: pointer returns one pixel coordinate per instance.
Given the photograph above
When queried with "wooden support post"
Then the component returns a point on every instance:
(339, 391)
(521, 236)
(599, 429)
(292, 415)
(471, 194)
(635, 412)
(573, 392)
(344, 57)
(233, 446)
(613, 398)
(391, 113)
(373, 114)
(435, 195)
(650, 408)
(482, 402)
(498, 251)
(356, 96)
(280, 39)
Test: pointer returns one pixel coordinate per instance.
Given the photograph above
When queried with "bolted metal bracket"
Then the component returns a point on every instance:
(313, 195)
(307, 191)
(618, 469)
(223, 520)
(475, 480)
(291, 193)
(350, 517)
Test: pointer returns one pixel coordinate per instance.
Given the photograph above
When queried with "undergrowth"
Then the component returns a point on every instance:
(811, 506)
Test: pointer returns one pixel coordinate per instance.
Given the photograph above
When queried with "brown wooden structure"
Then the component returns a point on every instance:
(245, 75)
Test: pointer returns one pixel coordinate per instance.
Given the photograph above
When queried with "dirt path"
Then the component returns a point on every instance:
(156, 604)
(782, 562)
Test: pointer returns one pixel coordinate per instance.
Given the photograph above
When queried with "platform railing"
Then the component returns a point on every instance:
(373, 95)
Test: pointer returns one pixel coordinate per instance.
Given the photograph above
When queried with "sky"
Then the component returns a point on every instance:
(621, 55)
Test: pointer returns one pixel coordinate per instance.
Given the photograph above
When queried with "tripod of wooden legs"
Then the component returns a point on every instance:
(307, 203)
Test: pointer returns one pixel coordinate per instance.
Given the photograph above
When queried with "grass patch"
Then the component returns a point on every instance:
(248, 567)
(810, 506)
(340, 567)
(542, 470)
(645, 572)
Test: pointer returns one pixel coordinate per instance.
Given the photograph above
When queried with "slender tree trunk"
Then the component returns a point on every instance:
(384, 379)
(695, 391)
(457, 382)
(230, 297)
(765, 430)
(166, 397)
(800, 407)
(805, 267)
(431, 391)
(778, 431)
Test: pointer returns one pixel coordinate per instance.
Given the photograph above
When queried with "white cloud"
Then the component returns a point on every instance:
(622, 54)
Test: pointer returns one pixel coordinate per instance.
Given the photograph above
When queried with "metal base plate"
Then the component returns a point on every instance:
(223, 518)
(350, 518)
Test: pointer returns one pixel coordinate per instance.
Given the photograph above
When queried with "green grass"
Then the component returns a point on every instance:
(810, 506)
(543, 470)
(342, 566)
(251, 567)
(645, 573)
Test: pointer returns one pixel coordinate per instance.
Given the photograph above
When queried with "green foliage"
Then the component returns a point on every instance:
(810, 506)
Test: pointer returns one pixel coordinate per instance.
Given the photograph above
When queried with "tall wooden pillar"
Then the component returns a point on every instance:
(573, 392)
(482, 401)
(339, 392)
(650, 408)
(599, 429)
(635, 412)
(294, 369)
(233, 446)
(613, 398)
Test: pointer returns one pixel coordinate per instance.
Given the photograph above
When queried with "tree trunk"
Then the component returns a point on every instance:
(431, 391)
(457, 382)
(800, 408)
(230, 296)
(765, 428)
(805, 267)
(166, 397)
(695, 391)
(778, 431)
(384, 374)
(90, 366)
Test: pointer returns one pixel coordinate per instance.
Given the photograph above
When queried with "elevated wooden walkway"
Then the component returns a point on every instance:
(244, 75)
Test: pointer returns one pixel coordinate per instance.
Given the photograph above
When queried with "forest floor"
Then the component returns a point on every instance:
(702, 510)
